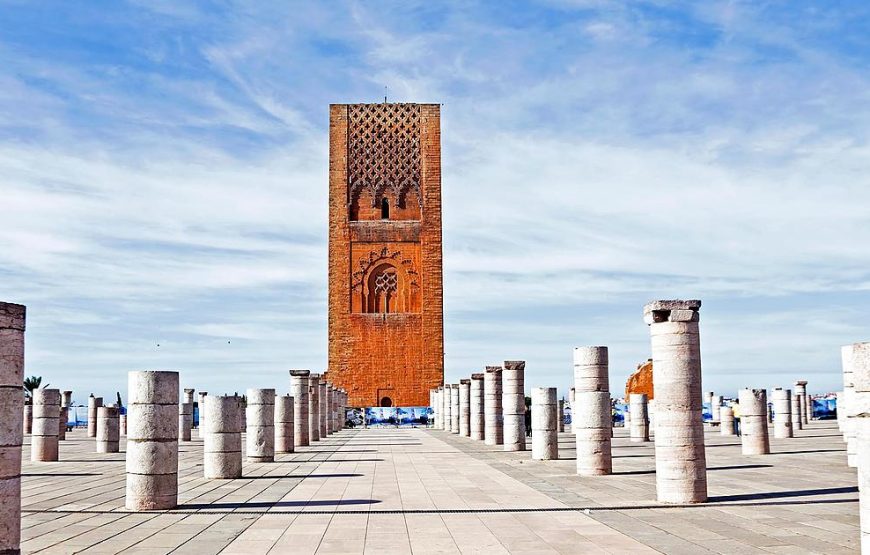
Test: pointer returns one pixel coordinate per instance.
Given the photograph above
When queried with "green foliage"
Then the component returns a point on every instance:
(31, 384)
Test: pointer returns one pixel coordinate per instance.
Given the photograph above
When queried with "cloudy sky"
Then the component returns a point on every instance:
(163, 180)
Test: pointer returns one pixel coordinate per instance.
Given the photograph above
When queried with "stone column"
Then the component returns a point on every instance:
(717, 405)
(222, 444)
(454, 408)
(108, 429)
(93, 404)
(639, 410)
(284, 428)
(437, 409)
(592, 420)
(12, 318)
(560, 424)
(122, 424)
(448, 407)
(846, 405)
(492, 425)
(545, 437)
(860, 366)
(314, 407)
(260, 436)
(782, 413)
(28, 418)
(301, 404)
(46, 409)
(726, 427)
(572, 396)
(513, 402)
(185, 415)
(152, 441)
(63, 420)
(201, 426)
(753, 422)
(477, 419)
(465, 408)
(330, 409)
(795, 413)
(800, 391)
(323, 404)
(681, 468)
(708, 400)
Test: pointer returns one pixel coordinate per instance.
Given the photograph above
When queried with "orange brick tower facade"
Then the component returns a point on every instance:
(386, 338)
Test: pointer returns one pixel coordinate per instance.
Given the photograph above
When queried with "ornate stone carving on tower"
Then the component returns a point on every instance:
(386, 343)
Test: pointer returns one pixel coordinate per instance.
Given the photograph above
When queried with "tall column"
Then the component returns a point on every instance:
(330, 409)
(222, 441)
(809, 400)
(860, 366)
(447, 403)
(572, 396)
(465, 408)
(753, 422)
(493, 430)
(800, 391)
(46, 409)
(454, 408)
(12, 318)
(28, 418)
(782, 413)
(592, 421)
(108, 429)
(152, 441)
(726, 427)
(847, 406)
(681, 469)
(560, 423)
(201, 405)
(639, 410)
(314, 407)
(437, 407)
(545, 437)
(795, 413)
(717, 405)
(322, 404)
(122, 424)
(260, 436)
(185, 415)
(301, 404)
(476, 422)
(284, 427)
(93, 404)
(513, 401)
(63, 419)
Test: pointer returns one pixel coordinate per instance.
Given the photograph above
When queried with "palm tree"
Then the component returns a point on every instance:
(31, 383)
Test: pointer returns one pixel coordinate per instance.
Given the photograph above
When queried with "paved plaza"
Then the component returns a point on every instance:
(425, 491)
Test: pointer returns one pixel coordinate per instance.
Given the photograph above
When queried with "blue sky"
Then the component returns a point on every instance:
(164, 180)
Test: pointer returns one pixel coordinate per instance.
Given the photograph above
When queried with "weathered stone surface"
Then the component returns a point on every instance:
(201, 406)
(753, 422)
(476, 402)
(545, 436)
(493, 419)
(860, 365)
(679, 433)
(46, 410)
(12, 324)
(222, 449)
(260, 436)
(782, 400)
(465, 408)
(314, 407)
(454, 408)
(301, 405)
(514, 405)
(284, 427)
(592, 420)
(93, 404)
(108, 430)
(639, 412)
(726, 426)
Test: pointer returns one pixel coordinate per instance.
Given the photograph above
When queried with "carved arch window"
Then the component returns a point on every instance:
(386, 283)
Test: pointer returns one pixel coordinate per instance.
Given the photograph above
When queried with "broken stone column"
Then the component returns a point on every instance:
(454, 408)
(681, 469)
(860, 366)
(717, 405)
(284, 428)
(795, 413)
(314, 407)
(46, 410)
(93, 404)
(301, 404)
(12, 322)
(726, 427)
(513, 402)
(222, 444)
(560, 423)
(545, 437)
(185, 415)
(753, 422)
(465, 408)
(493, 431)
(63, 419)
(322, 406)
(28, 418)
(108, 429)
(152, 441)
(201, 405)
(800, 391)
(782, 413)
(260, 436)
(639, 410)
(476, 402)
(592, 420)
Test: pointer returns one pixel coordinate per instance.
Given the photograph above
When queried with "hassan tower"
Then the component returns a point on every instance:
(386, 338)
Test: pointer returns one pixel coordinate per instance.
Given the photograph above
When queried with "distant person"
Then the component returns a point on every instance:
(735, 408)
(527, 418)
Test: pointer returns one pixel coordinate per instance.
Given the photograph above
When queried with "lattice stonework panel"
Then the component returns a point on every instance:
(383, 150)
